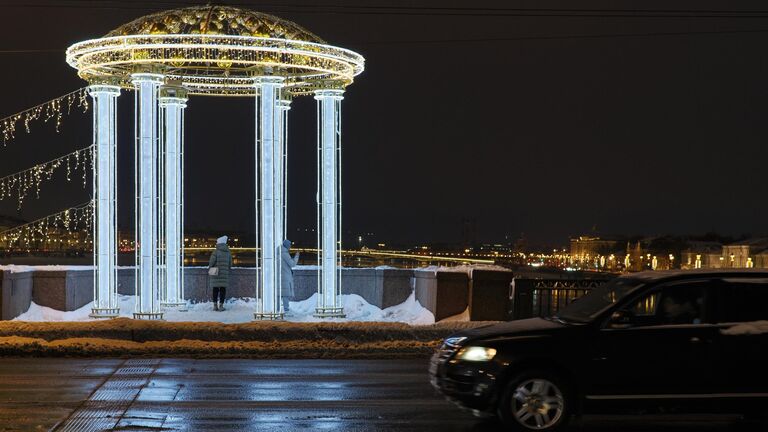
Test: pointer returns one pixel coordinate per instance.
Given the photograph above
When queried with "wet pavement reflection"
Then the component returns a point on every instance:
(251, 395)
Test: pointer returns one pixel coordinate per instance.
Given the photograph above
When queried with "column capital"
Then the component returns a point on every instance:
(166, 101)
(329, 93)
(171, 95)
(284, 104)
(261, 80)
(173, 91)
(103, 89)
(147, 77)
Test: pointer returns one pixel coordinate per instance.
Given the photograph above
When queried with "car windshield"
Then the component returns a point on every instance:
(586, 308)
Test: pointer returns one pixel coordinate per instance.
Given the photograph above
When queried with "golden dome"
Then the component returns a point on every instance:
(216, 20)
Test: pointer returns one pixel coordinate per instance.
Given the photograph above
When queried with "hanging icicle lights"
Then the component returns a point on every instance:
(51, 110)
(60, 230)
(20, 184)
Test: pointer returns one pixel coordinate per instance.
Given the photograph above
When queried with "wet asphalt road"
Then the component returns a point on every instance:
(251, 395)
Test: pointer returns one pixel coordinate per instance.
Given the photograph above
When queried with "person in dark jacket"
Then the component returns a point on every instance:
(221, 258)
(286, 273)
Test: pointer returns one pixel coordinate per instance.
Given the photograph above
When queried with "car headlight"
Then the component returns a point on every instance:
(475, 353)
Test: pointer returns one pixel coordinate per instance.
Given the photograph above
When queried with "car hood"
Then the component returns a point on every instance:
(526, 327)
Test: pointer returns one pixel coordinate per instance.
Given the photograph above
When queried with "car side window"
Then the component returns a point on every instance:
(682, 305)
(741, 300)
(677, 304)
(646, 306)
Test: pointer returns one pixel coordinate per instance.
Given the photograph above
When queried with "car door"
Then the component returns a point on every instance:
(664, 353)
(741, 312)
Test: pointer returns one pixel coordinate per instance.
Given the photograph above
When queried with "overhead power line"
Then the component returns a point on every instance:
(418, 10)
(561, 37)
(488, 39)
(262, 5)
(28, 51)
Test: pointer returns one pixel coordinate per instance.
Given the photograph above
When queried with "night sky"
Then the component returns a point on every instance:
(625, 119)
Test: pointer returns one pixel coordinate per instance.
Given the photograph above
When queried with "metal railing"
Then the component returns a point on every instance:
(545, 297)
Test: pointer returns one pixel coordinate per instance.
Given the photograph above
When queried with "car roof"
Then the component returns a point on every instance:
(661, 275)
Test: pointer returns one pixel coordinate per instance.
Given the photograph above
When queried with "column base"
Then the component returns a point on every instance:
(179, 306)
(268, 316)
(104, 313)
(152, 316)
(329, 313)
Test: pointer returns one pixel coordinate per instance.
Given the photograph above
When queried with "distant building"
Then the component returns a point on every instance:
(761, 260)
(207, 240)
(736, 256)
(55, 241)
(634, 258)
(585, 248)
(701, 254)
(750, 253)
(746, 254)
(521, 244)
(469, 232)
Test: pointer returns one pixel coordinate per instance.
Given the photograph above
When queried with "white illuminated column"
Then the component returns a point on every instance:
(282, 176)
(105, 303)
(147, 223)
(268, 206)
(329, 202)
(173, 100)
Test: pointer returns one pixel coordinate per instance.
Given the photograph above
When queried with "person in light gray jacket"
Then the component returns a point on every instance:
(286, 273)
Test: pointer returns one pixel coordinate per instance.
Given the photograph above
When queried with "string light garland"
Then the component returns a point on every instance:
(21, 183)
(216, 50)
(51, 110)
(58, 231)
(219, 51)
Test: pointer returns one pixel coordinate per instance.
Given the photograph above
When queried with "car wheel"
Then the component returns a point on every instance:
(535, 400)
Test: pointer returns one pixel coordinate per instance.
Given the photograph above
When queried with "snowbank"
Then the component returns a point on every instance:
(463, 268)
(357, 309)
(12, 268)
(240, 310)
(749, 328)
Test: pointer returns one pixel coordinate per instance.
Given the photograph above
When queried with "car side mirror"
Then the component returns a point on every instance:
(621, 319)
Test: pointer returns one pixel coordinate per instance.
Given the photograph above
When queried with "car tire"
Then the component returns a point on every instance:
(536, 400)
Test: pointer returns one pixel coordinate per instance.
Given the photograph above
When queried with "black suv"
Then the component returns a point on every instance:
(678, 341)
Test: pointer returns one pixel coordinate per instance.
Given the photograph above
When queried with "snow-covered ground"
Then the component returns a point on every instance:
(241, 310)
(747, 328)
(13, 268)
(463, 268)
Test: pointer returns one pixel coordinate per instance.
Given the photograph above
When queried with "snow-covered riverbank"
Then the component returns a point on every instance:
(241, 311)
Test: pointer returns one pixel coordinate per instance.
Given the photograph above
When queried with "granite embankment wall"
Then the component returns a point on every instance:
(485, 294)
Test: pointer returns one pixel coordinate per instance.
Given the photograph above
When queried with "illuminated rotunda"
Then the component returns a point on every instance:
(216, 51)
